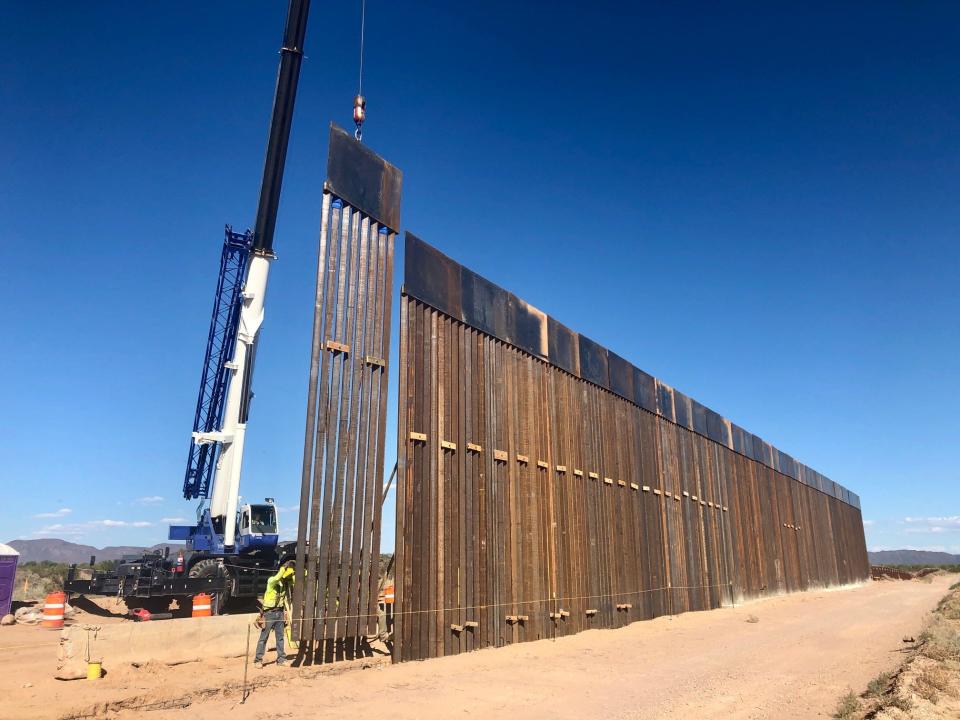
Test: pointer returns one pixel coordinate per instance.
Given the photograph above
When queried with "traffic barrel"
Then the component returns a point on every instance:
(53, 608)
(201, 605)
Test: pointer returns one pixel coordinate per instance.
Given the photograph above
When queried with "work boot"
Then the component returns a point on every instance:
(258, 664)
(281, 663)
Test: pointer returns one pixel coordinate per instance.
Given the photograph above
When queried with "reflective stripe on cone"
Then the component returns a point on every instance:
(53, 608)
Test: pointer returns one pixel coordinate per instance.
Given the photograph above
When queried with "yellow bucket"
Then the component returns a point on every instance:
(94, 670)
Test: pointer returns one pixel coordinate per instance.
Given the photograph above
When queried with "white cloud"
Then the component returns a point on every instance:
(85, 528)
(47, 532)
(51, 528)
(288, 508)
(935, 529)
(149, 500)
(55, 514)
(122, 523)
(174, 520)
(60, 529)
(931, 525)
(868, 523)
(952, 521)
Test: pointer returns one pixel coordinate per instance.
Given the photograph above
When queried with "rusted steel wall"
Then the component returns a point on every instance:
(547, 486)
(338, 550)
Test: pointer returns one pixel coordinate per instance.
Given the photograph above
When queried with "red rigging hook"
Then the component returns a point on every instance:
(359, 115)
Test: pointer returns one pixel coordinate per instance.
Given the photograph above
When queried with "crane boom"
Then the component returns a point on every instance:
(239, 375)
(291, 56)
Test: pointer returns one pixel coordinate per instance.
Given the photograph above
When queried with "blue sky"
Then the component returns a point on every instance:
(754, 202)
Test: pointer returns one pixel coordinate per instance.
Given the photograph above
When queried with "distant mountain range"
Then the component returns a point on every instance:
(912, 557)
(64, 551)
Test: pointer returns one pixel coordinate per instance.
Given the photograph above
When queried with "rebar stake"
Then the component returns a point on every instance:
(246, 664)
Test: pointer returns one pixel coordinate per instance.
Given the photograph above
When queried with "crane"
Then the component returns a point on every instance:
(231, 550)
(215, 457)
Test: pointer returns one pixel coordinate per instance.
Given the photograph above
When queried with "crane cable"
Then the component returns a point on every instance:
(359, 102)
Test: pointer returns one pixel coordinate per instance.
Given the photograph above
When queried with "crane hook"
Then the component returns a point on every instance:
(359, 115)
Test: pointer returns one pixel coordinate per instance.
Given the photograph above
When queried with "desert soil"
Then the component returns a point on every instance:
(804, 651)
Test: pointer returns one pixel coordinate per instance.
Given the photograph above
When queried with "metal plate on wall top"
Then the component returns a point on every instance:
(593, 363)
(436, 280)
(526, 327)
(683, 409)
(665, 401)
(563, 347)
(363, 179)
(621, 375)
(484, 305)
(644, 390)
(432, 277)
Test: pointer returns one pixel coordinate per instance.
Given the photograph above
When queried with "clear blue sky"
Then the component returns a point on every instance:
(756, 203)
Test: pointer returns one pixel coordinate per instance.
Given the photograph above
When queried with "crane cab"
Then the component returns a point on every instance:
(256, 529)
(257, 526)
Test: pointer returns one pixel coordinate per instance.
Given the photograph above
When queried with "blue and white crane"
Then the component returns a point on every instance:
(231, 550)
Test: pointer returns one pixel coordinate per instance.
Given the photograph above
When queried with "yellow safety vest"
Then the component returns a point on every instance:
(277, 588)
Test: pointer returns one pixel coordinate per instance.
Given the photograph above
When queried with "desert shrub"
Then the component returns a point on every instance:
(946, 567)
(898, 701)
(949, 607)
(938, 678)
(940, 640)
(31, 587)
(930, 683)
(55, 572)
(878, 686)
(35, 580)
(848, 706)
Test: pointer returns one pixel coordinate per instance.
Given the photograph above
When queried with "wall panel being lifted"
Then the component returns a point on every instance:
(546, 486)
(334, 603)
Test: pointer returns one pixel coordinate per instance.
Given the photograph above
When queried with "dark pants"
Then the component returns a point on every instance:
(272, 620)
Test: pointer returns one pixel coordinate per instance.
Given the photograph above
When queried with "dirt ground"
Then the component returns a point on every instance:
(804, 651)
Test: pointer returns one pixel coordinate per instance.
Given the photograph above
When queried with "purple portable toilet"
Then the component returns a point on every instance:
(8, 571)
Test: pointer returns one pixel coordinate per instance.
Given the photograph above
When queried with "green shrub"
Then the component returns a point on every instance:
(848, 706)
(35, 580)
(878, 686)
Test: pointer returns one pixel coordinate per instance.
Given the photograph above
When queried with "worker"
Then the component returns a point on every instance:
(278, 586)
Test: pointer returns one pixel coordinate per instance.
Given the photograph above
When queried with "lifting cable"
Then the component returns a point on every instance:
(359, 103)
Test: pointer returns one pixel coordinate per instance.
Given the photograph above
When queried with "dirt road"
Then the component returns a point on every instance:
(803, 652)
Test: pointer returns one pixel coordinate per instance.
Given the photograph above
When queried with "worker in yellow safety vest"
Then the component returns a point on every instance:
(278, 586)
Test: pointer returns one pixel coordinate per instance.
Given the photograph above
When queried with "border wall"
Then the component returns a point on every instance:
(547, 486)
(334, 606)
